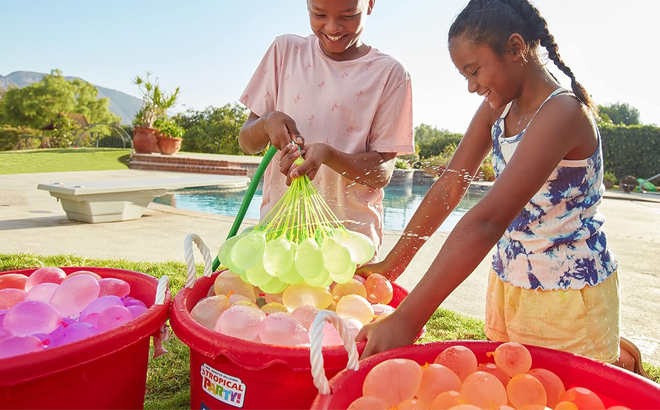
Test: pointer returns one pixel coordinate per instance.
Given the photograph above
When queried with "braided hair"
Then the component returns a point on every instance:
(493, 21)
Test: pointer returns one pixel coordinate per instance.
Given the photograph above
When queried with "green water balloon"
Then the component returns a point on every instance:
(360, 246)
(292, 277)
(225, 249)
(257, 275)
(274, 286)
(309, 259)
(248, 250)
(278, 256)
(322, 280)
(346, 276)
(336, 257)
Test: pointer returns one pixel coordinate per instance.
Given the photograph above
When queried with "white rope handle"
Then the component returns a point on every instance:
(316, 349)
(190, 259)
(163, 284)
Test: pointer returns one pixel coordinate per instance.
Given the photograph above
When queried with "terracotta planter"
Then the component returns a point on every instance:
(144, 140)
(169, 146)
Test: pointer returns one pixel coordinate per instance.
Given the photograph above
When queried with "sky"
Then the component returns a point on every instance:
(210, 48)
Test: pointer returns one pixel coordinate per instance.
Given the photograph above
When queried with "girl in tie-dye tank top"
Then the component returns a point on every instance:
(554, 279)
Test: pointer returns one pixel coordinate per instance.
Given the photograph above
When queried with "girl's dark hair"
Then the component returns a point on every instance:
(493, 21)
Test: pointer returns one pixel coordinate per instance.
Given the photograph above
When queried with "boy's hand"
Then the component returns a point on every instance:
(281, 129)
(314, 154)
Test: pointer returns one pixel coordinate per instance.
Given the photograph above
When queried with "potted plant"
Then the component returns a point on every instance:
(155, 104)
(609, 180)
(170, 135)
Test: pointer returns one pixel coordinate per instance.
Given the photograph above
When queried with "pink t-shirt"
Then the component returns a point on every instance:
(355, 106)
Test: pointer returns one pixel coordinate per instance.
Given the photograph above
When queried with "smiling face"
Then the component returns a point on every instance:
(494, 76)
(338, 24)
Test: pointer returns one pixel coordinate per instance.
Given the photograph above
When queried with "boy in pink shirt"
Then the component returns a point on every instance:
(352, 104)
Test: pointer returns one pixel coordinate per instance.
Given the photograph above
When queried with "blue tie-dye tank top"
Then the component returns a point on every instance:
(556, 241)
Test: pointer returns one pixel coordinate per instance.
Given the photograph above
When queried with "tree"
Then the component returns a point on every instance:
(432, 141)
(40, 103)
(214, 130)
(619, 114)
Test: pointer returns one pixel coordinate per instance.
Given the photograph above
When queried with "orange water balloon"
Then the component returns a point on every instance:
(484, 390)
(393, 380)
(495, 371)
(448, 399)
(513, 358)
(583, 398)
(459, 359)
(553, 385)
(565, 405)
(437, 379)
(370, 403)
(412, 404)
(525, 389)
(379, 289)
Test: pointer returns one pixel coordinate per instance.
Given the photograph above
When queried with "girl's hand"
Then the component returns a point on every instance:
(290, 153)
(281, 130)
(315, 155)
(391, 270)
(385, 334)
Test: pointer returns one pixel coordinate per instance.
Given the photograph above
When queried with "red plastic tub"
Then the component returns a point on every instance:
(106, 371)
(613, 385)
(226, 372)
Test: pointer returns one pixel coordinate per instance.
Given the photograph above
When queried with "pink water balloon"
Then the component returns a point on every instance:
(305, 314)
(32, 316)
(42, 292)
(17, 345)
(3, 312)
(47, 274)
(116, 287)
(13, 280)
(92, 319)
(136, 310)
(240, 321)
(282, 329)
(73, 333)
(112, 317)
(10, 296)
(83, 272)
(129, 301)
(4, 333)
(75, 294)
(100, 304)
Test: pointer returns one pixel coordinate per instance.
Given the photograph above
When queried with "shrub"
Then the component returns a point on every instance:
(401, 164)
(631, 150)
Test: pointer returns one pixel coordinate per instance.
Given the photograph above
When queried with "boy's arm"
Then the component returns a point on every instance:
(373, 169)
(274, 126)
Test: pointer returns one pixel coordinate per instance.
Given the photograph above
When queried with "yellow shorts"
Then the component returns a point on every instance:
(582, 321)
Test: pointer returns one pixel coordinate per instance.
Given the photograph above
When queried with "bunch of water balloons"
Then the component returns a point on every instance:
(299, 241)
(238, 309)
(456, 381)
(49, 309)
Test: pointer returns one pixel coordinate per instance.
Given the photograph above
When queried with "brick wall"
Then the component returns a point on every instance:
(179, 163)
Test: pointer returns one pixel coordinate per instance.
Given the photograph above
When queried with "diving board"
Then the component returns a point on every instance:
(124, 199)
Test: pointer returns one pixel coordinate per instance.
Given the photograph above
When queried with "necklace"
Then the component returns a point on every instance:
(521, 119)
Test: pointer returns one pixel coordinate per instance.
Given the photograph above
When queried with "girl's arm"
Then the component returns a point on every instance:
(546, 142)
(442, 198)
(275, 127)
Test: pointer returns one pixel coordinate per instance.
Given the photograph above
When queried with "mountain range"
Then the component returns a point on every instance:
(121, 104)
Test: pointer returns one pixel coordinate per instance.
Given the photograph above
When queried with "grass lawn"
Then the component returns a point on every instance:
(168, 382)
(62, 160)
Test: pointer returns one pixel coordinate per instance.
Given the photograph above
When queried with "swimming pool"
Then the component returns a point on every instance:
(399, 205)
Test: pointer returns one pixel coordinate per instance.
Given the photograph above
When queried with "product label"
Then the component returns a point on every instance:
(226, 388)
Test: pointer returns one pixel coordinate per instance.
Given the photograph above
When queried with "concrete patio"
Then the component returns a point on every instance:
(33, 221)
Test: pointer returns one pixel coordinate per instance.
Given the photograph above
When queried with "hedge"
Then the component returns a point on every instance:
(631, 150)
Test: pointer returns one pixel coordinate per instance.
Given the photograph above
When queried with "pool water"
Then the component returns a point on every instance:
(399, 204)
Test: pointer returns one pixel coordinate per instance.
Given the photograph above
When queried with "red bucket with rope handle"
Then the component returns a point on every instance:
(615, 387)
(227, 372)
(108, 370)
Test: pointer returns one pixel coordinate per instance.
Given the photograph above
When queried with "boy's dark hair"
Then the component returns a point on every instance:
(493, 21)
